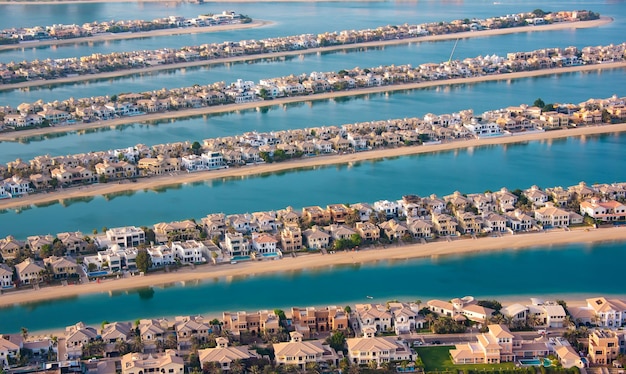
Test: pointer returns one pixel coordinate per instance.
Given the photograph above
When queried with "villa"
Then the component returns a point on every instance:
(29, 272)
(168, 362)
(604, 346)
(363, 350)
(223, 355)
(300, 353)
(499, 345)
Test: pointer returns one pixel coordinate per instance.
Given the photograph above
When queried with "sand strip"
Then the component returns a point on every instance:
(461, 35)
(553, 239)
(136, 35)
(16, 135)
(184, 177)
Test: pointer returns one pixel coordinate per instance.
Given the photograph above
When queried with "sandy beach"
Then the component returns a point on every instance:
(136, 35)
(184, 177)
(554, 239)
(462, 35)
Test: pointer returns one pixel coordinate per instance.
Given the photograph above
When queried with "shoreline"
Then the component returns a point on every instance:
(557, 239)
(135, 35)
(16, 135)
(430, 38)
(255, 170)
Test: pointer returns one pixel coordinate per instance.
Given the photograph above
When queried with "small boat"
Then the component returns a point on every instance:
(370, 297)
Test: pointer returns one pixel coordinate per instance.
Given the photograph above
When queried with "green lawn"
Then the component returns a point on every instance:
(438, 359)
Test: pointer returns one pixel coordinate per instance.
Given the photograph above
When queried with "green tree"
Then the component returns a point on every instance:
(539, 103)
(281, 315)
(144, 261)
(196, 148)
(337, 341)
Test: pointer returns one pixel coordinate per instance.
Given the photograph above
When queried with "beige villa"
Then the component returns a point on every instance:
(299, 353)
(363, 350)
(223, 355)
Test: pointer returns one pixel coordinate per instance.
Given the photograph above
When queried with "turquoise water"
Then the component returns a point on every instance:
(492, 275)
(547, 163)
(240, 258)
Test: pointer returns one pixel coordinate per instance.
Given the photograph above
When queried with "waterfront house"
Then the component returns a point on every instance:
(62, 267)
(315, 238)
(176, 231)
(189, 328)
(338, 212)
(567, 355)
(389, 208)
(457, 201)
(340, 232)
(494, 222)
(517, 312)
(235, 244)
(190, 252)
(582, 192)
(10, 247)
(517, 220)
(363, 350)
(374, 316)
(153, 333)
(264, 244)
(548, 314)
(469, 223)
(261, 321)
(604, 346)
(316, 215)
(560, 196)
(420, 228)
(368, 231)
(76, 338)
(161, 256)
(74, 242)
(300, 353)
(159, 165)
(551, 216)
(309, 320)
(17, 186)
(291, 238)
(168, 362)
(73, 175)
(363, 210)
(505, 199)
(492, 347)
(128, 236)
(6, 276)
(115, 170)
(444, 224)
(214, 224)
(608, 312)
(605, 211)
(35, 243)
(405, 317)
(224, 356)
(536, 196)
(264, 221)
(8, 350)
(393, 229)
(115, 332)
(29, 272)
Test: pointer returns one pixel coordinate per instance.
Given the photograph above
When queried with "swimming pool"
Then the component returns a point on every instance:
(535, 362)
(530, 362)
(240, 258)
(98, 273)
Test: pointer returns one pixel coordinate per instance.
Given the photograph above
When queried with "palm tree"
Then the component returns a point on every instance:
(312, 368)
(237, 367)
(430, 318)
